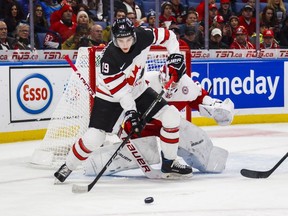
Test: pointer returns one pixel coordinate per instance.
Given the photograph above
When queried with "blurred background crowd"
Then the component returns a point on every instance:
(70, 24)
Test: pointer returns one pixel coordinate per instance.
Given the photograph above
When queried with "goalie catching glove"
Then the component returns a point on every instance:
(133, 122)
(177, 68)
(221, 111)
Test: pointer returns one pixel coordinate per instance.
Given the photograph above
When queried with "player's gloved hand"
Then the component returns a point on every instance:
(133, 122)
(177, 68)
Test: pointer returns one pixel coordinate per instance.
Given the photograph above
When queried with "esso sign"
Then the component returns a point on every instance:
(34, 93)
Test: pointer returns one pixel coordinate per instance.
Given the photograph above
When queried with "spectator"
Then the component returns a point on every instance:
(191, 39)
(191, 21)
(22, 41)
(132, 16)
(61, 30)
(78, 39)
(83, 19)
(234, 24)
(131, 6)
(268, 40)
(151, 19)
(247, 20)
(218, 22)
(176, 30)
(215, 41)
(241, 40)
(283, 39)
(201, 9)
(225, 10)
(57, 15)
(213, 11)
(40, 22)
(4, 7)
(96, 35)
(279, 9)
(166, 18)
(96, 5)
(179, 11)
(118, 14)
(84, 7)
(13, 17)
(263, 27)
(252, 3)
(5, 41)
(280, 14)
(268, 18)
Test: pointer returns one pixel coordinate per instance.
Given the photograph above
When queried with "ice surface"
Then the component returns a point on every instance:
(25, 190)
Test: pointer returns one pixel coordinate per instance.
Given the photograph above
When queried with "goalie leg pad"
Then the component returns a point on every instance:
(123, 161)
(197, 149)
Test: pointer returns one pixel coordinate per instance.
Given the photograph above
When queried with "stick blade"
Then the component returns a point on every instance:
(254, 174)
(80, 188)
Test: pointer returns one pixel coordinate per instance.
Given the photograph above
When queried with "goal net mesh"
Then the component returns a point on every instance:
(71, 116)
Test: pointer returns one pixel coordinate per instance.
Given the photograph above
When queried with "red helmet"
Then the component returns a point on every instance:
(241, 30)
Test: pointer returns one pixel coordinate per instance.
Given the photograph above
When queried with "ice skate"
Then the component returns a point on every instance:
(62, 173)
(172, 169)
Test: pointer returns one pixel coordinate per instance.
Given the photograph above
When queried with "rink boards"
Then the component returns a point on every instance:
(30, 91)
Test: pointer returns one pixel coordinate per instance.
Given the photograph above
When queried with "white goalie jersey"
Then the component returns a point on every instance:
(195, 147)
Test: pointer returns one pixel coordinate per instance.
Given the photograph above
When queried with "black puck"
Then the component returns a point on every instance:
(149, 200)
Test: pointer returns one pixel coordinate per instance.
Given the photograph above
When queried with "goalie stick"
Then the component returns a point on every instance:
(262, 174)
(86, 188)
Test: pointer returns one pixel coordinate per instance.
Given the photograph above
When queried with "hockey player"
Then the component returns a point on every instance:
(122, 87)
(195, 147)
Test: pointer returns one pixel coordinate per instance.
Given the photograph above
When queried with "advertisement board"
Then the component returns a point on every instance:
(35, 91)
(251, 84)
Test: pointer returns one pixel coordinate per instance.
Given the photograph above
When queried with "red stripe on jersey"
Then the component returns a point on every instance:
(102, 92)
(156, 33)
(83, 147)
(171, 130)
(117, 88)
(166, 36)
(111, 79)
(77, 154)
(169, 141)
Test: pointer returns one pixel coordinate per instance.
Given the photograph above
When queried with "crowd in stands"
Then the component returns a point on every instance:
(70, 24)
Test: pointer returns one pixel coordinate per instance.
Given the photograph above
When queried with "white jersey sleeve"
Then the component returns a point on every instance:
(187, 89)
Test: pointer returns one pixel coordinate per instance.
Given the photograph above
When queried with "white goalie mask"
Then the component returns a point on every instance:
(165, 77)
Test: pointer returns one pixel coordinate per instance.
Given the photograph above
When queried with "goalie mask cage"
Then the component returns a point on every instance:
(70, 119)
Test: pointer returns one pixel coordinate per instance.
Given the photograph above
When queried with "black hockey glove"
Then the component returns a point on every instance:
(177, 68)
(133, 122)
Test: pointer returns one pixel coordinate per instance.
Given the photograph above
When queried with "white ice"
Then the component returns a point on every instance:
(25, 190)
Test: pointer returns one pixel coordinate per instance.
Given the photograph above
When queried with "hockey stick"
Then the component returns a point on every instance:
(141, 162)
(87, 188)
(91, 92)
(262, 174)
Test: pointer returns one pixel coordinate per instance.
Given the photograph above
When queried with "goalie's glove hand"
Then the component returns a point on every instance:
(133, 122)
(177, 68)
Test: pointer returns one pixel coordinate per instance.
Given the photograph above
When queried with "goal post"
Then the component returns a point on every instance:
(70, 118)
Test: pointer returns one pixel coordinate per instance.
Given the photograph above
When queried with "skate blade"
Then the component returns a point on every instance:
(175, 176)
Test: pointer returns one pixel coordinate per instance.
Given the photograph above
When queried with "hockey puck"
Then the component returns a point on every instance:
(149, 200)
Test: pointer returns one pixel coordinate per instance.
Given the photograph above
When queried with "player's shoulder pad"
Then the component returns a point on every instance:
(144, 35)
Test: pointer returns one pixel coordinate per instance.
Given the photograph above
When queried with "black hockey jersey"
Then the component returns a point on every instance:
(122, 74)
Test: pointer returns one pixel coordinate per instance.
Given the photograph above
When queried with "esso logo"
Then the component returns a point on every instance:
(34, 94)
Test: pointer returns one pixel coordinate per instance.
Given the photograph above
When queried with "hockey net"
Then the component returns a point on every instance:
(71, 116)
